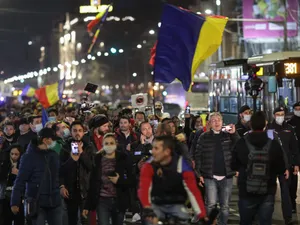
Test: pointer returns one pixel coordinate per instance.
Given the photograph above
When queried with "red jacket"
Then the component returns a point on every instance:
(188, 180)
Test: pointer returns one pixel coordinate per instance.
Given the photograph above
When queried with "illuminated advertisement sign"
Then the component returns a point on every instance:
(94, 9)
(269, 10)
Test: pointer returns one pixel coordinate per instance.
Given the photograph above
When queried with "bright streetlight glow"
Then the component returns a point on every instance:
(208, 11)
(93, 58)
(159, 24)
(29, 42)
(102, 44)
(218, 2)
(55, 69)
(165, 93)
(151, 32)
(42, 48)
(113, 50)
(139, 46)
(83, 61)
(98, 53)
(134, 74)
(89, 56)
(199, 13)
(79, 45)
(62, 40)
(106, 54)
(121, 50)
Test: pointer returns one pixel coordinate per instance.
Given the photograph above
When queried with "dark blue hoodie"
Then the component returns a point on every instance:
(31, 171)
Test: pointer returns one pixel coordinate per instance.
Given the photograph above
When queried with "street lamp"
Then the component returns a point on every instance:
(134, 74)
(208, 11)
(29, 42)
(139, 46)
(121, 50)
(151, 32)
(159, 24)
(218, 2)
(42, 48)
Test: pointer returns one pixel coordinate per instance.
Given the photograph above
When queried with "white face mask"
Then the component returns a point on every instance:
(297, 113)
(247, 118)
(279, 120)
(109, 149)
(38, 127)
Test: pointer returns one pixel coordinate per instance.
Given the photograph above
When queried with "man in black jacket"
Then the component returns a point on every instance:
(290, 147)
(295, 122)
(39, 175)
(242, 125)
(251, 204)
(213, 164)
(75, 172)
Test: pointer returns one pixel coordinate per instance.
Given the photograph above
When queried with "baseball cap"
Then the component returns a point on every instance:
(296, 104)
(244, 108)
(47, 133)
(278, 109)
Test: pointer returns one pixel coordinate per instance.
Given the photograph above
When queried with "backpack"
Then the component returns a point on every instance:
(258, 168)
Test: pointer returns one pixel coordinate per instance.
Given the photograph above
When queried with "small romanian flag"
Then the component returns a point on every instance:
(185, 40)
(99, 18)
(50, 94)
(28, 91)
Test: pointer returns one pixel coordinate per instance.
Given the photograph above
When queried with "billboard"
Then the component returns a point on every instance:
(269, 10)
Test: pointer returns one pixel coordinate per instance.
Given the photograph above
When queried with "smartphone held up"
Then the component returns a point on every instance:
(74, 148)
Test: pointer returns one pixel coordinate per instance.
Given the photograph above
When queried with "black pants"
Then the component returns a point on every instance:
(293, 188)
(74, 206)
(8, 217)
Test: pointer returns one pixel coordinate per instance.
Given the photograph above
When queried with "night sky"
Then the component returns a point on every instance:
(33, 20)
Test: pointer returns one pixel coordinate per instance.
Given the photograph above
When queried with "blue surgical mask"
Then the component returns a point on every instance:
(38, 127)
(52, 145)
(53, 118)
(66, 133)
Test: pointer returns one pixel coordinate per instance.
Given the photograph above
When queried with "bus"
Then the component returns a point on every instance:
(280, 73)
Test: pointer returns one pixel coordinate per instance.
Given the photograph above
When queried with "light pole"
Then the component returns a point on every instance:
(218, 3)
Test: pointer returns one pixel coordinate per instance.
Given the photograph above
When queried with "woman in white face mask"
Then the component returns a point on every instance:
(110, 181)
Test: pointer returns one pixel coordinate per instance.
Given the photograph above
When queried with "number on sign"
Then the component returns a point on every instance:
(290, 68)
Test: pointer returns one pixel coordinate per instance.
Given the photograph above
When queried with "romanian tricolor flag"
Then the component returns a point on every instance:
(28, 91)
(50, 94)
(99, 18)
(185, 40)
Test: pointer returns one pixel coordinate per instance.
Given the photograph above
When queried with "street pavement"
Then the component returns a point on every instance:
(234, 214)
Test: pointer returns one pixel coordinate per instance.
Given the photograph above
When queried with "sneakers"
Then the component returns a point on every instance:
(195, 219)
(136, 217)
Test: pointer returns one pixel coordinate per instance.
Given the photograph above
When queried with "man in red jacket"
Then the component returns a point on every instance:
(166, 181)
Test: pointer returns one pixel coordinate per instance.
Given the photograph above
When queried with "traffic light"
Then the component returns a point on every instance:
(113, 50)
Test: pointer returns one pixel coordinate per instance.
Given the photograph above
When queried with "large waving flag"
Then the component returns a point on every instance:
(28, 91)
(185, 40)
(50, 94)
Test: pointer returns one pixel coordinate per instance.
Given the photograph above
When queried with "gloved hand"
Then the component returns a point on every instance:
(148, 212)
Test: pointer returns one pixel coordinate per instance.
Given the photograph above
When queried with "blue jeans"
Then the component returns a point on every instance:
(107, 210)
(218, 191)
(263, 206)
(52, 215)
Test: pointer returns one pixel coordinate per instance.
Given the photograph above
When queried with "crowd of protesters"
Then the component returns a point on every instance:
(123, 157)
